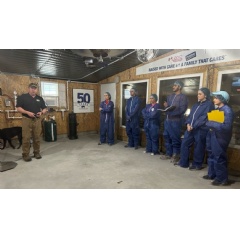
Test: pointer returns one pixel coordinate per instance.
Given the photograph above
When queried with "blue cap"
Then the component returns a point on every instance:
(221, 95)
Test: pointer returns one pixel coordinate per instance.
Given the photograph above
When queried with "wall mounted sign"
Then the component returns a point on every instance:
(190, 58)
(83, 101)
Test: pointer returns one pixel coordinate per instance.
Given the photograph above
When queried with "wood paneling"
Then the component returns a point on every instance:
(10, 83)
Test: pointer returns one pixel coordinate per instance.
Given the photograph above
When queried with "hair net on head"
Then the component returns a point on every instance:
(178, 82)
(155, 97)
(109, 95)
(221, 95)
(206, 92)
(134, 90)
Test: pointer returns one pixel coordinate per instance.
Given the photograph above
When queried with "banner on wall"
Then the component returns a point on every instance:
(190, 58)
(83, 101)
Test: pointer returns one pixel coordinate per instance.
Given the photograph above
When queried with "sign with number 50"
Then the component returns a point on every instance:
(83, 101)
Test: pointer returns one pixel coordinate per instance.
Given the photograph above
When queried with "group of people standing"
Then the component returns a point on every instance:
(206, 136)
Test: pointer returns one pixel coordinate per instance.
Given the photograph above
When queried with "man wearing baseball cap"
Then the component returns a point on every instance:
(32, 107)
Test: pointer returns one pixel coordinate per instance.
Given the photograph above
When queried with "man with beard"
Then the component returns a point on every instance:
(177, 104)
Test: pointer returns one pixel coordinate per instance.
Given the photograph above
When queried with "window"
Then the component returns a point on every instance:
(54, 94)
(230, 81)
(142, 89)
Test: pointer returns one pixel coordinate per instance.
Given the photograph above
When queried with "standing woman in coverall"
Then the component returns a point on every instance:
(151, 116)
(106, 120)
(173, 122)
(218, 139)
(133, 112)
(196, 132)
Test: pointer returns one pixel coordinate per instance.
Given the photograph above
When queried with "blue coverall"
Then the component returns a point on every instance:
(218, 139)
(197, 120)
(107, 122)
(151, 116)
(133, 112)
(173, 123)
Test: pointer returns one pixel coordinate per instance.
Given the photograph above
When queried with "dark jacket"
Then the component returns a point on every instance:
(133, 109)
(151, 115)
(106, 115)
(181, 103)
(223, 131)
(198, 115)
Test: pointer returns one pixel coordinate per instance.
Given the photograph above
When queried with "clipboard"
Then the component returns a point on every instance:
(216, 115)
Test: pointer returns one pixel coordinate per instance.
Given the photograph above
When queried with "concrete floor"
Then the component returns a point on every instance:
(82, 164)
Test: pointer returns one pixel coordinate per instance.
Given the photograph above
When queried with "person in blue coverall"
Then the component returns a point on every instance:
(106, 120)
(196, 131)
(218, 139)
(133, 111)
(151, 115)
(173, 122)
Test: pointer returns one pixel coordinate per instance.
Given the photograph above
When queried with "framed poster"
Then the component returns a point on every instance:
(83, 101)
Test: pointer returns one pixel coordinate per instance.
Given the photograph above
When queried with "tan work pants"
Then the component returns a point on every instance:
(31, 128)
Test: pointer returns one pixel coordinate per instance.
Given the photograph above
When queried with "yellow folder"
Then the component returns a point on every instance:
(216, 115)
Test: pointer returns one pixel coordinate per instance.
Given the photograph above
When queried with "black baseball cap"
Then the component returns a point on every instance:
(33, 85)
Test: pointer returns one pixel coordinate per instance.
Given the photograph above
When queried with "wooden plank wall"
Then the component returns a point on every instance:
(10, 83)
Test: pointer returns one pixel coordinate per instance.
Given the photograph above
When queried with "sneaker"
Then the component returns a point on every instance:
(99, 143)
(217, 183)
(136, 147)
(194, 168)
(126, 146)
(110, 144)
(37, 156)
(175, 158)
(165, 157)
(207, 177)
(27, 158)
(152, 154)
